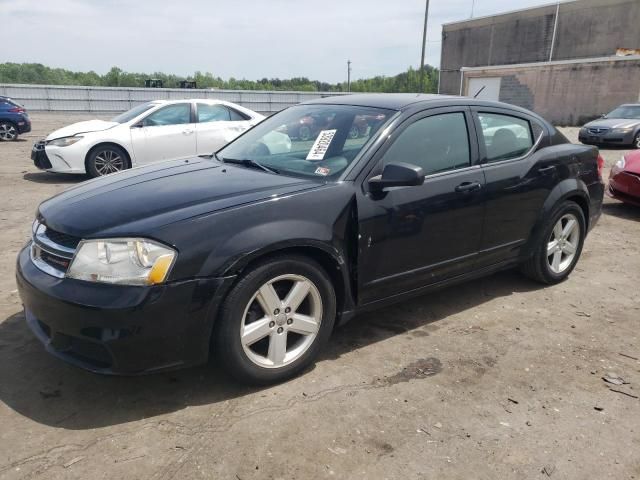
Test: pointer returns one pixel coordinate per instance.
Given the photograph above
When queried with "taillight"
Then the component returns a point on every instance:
(17, 110)
(600, 166)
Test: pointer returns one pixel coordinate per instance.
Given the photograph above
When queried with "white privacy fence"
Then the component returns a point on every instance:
(115, 99)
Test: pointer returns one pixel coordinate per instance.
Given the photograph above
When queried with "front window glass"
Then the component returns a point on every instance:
(309, 140)
(437, 144)
(630, 111)
(176, 114)
(133, 113)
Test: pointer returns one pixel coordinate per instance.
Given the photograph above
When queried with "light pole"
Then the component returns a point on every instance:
(424, 46)
(348, 75)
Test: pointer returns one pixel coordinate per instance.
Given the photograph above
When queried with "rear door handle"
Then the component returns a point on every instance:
(467, 187)
(548, 169)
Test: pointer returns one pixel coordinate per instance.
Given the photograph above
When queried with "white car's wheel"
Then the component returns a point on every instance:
(106, 159)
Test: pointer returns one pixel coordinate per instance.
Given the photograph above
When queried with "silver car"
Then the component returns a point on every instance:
(619, 127)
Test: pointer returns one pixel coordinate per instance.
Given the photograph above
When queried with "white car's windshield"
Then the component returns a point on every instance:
(133, 113)
(322, 140)
(631, 112)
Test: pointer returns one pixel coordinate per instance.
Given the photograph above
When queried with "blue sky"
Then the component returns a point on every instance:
(234, 38)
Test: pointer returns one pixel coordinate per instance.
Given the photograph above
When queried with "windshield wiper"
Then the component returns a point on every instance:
(247, 162)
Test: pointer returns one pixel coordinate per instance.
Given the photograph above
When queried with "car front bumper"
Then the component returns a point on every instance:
(605, 138)
(117, 329)
(624, 186)
(59, 159)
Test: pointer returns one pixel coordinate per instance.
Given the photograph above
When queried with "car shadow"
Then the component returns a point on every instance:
(48, 391)
(53, 178)
(621, 210)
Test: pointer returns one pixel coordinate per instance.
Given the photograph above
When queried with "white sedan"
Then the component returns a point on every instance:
(150, 132)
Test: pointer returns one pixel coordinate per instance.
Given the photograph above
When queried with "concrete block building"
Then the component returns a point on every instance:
(568, 61)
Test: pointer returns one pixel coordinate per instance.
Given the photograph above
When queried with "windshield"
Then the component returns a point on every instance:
(630, 111)
(308, 140)
(133, 113)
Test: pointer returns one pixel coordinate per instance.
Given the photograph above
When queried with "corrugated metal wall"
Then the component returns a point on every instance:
(112, 99)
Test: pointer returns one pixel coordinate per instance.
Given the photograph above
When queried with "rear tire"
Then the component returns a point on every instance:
(559, 245)
(8, 132)
(106, 159)
(269, 329)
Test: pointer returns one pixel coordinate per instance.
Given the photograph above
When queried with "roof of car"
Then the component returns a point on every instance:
(402, 101)
(393, 101)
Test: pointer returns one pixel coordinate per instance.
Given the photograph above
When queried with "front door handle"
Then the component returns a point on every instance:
(468, 187)
(187, 131)
(548, 169)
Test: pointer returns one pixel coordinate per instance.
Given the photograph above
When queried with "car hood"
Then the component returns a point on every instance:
(82, 127)
(612, 123)
(136, 201)
(632, 162)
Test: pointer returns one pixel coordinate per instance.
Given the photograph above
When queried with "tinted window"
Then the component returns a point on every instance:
(171, 115)
(625, 111)
(437, 144)
(505, 136)
(212, 113)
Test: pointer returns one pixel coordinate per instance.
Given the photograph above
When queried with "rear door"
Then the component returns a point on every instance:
(165, 134)
(411, 237)
(520, 174)
(216, 126)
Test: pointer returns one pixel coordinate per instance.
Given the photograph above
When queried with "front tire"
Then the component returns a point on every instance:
(275, 320)
(636, 140)
(8, 132)
(558, 248)
(106, 159)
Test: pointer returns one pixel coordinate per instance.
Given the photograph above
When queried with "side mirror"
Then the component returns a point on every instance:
(397, 175)
(603, 115)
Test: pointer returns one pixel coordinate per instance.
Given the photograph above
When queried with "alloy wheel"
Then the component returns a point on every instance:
(637, 141)
(563, 243)
(7, 132)
(281, 321)
(108, 161)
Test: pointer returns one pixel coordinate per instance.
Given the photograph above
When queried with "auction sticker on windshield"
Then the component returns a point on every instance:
(321, 145)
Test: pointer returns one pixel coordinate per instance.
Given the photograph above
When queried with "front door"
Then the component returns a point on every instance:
(411, 237)
(165, 134)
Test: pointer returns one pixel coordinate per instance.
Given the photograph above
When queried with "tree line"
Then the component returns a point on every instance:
(36, 73)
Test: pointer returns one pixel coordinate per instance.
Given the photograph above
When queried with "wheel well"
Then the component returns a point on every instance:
(325, 260)
(92, 149)
(584, 206)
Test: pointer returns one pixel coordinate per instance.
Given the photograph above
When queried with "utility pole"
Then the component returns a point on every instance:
(424, 46)
(473, 4)
(348, 75)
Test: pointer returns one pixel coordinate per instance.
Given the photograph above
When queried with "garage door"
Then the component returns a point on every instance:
(484, 88)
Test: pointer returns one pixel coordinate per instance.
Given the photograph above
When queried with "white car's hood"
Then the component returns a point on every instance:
(81, 127)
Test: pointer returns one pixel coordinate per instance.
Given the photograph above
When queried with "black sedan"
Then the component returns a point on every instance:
(254, 257)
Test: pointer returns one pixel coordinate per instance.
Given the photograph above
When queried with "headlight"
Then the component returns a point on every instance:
(621, 163)
(622, 130)
(127, 261)
(64, 141)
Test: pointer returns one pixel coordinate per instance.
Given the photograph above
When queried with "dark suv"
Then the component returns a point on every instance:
(14, 120)
(255, 256)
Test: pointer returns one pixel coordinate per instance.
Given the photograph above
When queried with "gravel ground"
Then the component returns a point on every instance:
(496, 378)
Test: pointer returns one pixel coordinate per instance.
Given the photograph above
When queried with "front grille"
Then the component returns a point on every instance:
(598, 130)
(62, 238)
(52, 251)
